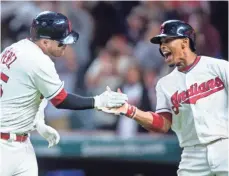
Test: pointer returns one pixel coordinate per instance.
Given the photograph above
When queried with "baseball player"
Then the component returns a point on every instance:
(27, 76)
(192, 100)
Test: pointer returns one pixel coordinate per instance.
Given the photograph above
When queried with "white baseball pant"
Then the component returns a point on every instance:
(205, 160)
(17, 158)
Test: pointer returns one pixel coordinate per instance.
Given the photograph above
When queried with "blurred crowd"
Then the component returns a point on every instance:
(113, 49)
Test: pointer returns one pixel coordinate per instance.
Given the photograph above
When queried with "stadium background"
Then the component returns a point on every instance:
(114, 49)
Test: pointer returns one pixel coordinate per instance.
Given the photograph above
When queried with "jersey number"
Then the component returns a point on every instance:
(8, 57)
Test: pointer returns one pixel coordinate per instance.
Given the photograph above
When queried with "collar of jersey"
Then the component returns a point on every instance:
(190, 67)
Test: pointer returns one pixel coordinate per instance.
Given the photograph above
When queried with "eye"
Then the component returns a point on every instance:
(168, 40)
(60, 44)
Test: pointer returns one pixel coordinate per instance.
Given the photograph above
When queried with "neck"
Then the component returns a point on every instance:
(188, 61)
(190, 58)
(43, 48)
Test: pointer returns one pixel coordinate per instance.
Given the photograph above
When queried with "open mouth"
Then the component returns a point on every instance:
(168, 55)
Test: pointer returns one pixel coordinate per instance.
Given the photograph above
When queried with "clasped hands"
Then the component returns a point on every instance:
(119, 105)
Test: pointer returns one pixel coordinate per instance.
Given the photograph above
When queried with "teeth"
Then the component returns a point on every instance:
(166, 53)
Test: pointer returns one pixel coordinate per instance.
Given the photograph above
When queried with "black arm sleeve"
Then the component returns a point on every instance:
(76, 102)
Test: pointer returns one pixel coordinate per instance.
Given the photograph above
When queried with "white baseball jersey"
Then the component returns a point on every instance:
(28, 74)
(198, 101)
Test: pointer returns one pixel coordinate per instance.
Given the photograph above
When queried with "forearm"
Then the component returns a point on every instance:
(144, 119)
(76, 102)
(152, 121)
(107, 99)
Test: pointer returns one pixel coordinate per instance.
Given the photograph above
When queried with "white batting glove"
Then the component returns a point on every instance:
(49, 133)
(126, 109)
(110, 99)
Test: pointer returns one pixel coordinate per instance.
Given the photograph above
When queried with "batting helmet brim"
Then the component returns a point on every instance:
(70, 39)
(157, 39)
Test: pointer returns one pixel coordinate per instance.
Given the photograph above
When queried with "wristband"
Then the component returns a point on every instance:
(131, 111)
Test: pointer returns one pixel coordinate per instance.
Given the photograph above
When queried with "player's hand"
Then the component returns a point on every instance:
(126, 109)
(49, 133)
(110, 99)
(117, 111)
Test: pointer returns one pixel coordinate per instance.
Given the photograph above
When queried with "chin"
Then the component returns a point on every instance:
(171, 64)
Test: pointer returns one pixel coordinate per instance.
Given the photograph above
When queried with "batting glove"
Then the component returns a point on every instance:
(49, 133)
(127, 110)
(110, 99)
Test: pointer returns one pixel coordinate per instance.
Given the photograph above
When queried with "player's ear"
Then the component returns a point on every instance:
(185, 43)
(44, 42)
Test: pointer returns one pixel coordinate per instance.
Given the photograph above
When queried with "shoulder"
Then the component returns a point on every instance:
(36, 56)
(212, 62)
(33, 58)
(42, 65)
(28, 52)
(168, 78)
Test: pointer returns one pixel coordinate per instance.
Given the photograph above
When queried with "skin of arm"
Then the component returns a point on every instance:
(156, 122)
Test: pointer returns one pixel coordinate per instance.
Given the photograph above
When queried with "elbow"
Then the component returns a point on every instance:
(165, 130)
(58, 107)
(58, 100)
(166, 127)
(159, 130)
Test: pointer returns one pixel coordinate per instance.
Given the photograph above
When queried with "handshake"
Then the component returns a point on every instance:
(114, 103)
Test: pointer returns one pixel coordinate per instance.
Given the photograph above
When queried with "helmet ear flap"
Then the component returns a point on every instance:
(192, 39)
(192, 45)
(33, 35)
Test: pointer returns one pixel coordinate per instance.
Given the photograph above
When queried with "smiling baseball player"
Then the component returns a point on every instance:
(27, 75)
(192, 100)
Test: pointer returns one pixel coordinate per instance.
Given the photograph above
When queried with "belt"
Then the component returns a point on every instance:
(14, 137)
